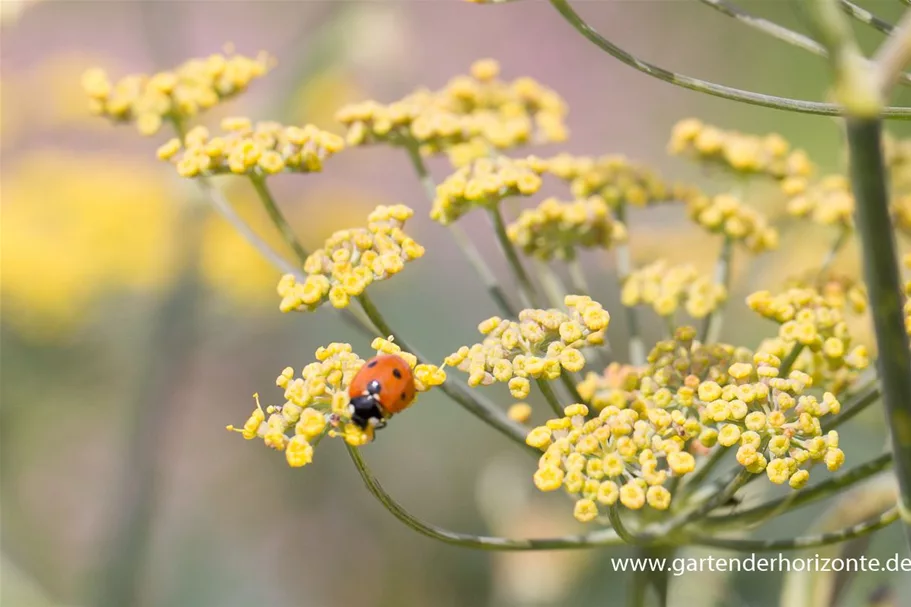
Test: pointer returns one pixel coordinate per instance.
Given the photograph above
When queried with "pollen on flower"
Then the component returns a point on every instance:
(815, 323)
(725, 214)
(483, 184)
(742, 153)
(179, 94)
(470, 117)
(243, 148)
(665, 288)
(555, 229)
(828, 202)
(615, 180)
(351, 260)
(540, 345)
(316, 405)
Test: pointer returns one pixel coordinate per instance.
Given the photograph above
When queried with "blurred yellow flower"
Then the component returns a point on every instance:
(76, 226)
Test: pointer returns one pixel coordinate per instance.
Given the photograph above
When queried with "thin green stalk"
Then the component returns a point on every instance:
(893, 56)
(857, 403)
(709, 464)
(577, 277)
(790, 359)
(466, 246)
(624, 269)
(275, 214)
(717, 500)
(604, 537)
(526, 288)
(711, 328)
(767, 27)
(799, 543)
(773, 508)
(844, 234)
(881, 273)
(550, 396)
(616, 521)
(453, 388)
(702, 86)
(866, 17)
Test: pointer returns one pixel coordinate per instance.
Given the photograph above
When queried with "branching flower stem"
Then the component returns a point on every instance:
(526, 288)
(711, 329)
(604, 537)
(275, 214)
(466, 246)
(624, 269)
(703, 86)
(866, 17)
(802, 542)
(454, 388)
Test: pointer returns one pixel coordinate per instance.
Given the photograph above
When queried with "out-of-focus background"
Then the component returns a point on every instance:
(131, 338)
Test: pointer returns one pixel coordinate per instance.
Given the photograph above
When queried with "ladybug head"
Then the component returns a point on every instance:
(366, 411)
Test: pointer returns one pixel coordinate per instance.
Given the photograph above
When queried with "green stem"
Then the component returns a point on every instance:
(790, 359)
(526, 288)
(550, 396)
(881, 273)
(710, 463)
(893, 56)
(702, 86)
(466, 246)
(866, 17)
(799, 543)
(275, 214)
(711, 329)
(718, 499)
(577, 277)
(624, 269)
(605, 537)
(857, 403)
(453, 388)
(616, 521)
(773, 508)
(840, 240)
(767, 27)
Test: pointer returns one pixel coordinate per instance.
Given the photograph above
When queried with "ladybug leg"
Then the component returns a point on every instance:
(378, 423)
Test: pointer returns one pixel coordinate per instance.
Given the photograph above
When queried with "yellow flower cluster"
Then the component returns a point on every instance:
(837, 290)
(690, 398)
(556, 229)
(540, 345)
(621, 455)
(316, 403)
(484, 183)
(615, 179)
(901, 213)
(665, 288)
(351, 260)
(177, 94)
(471, 116)
(265, 148)
(725, 214)
(828, 202)
(809, 321)
(770, 155)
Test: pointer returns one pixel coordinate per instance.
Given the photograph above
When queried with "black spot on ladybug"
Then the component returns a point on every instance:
(374, 387)
(371, 364)
(397, 373)
(404, 396)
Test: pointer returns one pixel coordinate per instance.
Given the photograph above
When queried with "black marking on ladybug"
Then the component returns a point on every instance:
(374, 387)
(371, 364)
(397, 373)
(404, 396)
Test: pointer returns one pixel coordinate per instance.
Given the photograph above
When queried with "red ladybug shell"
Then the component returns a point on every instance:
(395, 378)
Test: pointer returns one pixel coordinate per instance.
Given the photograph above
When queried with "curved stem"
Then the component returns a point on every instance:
(604, 537)
(799, 543)
(762, 512)
(702, 86)
(712, 326)
(265, 195)
(466, 246)
(453, 388)
(881, 272)
(526, 288)
(616, 522)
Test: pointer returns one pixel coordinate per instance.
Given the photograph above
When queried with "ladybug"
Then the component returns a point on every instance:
(383, 387)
